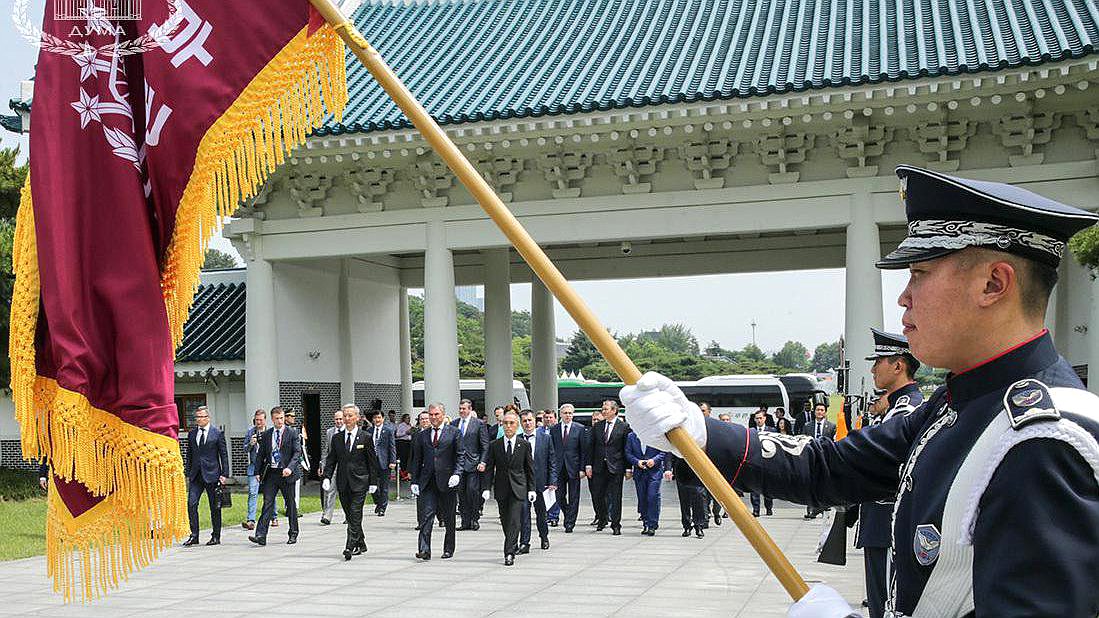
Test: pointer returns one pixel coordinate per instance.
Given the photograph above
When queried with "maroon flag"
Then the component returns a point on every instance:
(146, 132)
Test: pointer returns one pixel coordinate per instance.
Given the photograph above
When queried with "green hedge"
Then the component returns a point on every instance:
(18, 485)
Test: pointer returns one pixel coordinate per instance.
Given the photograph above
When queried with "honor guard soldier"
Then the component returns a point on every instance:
(894, 372)
(995, 475)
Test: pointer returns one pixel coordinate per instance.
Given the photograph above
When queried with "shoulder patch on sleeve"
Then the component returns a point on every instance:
(1027, 401)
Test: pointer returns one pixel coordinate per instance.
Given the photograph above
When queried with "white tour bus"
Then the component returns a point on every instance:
(473, 390)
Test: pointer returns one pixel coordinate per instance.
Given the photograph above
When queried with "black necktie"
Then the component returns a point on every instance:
(507, 447)
(349, 441)
(435, 438)
(202, 437)
(818, 429)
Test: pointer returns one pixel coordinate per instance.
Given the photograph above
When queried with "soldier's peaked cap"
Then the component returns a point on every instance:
(946, 214)
(888, 344)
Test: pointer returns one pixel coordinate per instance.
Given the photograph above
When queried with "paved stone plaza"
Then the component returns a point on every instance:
(583, 574)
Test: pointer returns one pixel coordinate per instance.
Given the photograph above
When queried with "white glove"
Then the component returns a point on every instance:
(371, 489)
(453, 482)
(655, 406)
(486, 494)
(532, 496)
(820, 602)
(415, 490)
(326, 484)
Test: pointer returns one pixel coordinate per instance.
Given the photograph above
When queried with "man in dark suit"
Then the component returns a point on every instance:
(570, 445)
(820, 428)
(385, 446)
(607, 467)
(509, 471)
(545, 477)
(436, 476)
(351, 455)
(207, 467)
(475, 443)
(279, 465)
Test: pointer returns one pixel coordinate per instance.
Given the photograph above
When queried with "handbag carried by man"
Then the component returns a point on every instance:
(224, 497)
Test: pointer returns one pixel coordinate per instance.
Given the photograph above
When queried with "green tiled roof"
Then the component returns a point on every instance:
(215, 329)
(490, 59)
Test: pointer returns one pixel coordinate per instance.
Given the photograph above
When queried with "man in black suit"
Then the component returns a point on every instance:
(475, 443)
(607, 467)
(570, 445)
(509, 470)
(385, 446)
(545, 477)
(351, 455)
(279, 463)
(436, 476)
(207, 465)
(820, 428)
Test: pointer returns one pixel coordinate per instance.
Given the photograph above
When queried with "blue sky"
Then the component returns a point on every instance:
(728, 306)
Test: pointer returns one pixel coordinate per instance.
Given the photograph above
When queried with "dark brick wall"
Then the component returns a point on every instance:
(11, 456)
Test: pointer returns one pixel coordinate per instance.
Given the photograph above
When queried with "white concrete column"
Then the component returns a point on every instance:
(261, 368)
(440, 321)
(406, 352)
(543, 358)
(347, 366)
(863, 300)
(1093, 338)
(499, 370)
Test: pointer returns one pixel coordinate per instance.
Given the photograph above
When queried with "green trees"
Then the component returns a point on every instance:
(215, 260)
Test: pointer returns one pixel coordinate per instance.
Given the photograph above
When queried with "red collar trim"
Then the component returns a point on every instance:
(1003, 353)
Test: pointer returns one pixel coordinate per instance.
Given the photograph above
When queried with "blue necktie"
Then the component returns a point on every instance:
(276, 453)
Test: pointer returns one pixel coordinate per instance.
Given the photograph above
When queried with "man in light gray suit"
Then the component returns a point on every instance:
(329, 497)
(385, 445)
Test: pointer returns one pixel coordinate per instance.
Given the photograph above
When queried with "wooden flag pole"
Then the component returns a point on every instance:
(556, 283)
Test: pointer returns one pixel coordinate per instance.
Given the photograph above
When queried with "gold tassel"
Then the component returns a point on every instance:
(272, 115)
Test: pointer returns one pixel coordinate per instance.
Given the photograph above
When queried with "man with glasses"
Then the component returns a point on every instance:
(207, 467)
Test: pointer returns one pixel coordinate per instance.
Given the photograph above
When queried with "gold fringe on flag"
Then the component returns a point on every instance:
(140, 473)
(274, 114)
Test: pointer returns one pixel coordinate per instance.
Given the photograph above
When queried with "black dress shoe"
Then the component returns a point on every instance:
(358, 551)
(509, 560)
(423, 555)
(381, 513)
(418, 526)
(769, 512)
(594, 522)
(476, 526)
(214, 541)
(686, 532)
(568, 530)
(462, 528)
(717, 519)
(325, 522)
(545, 543)
(755, 513)
(292, 540)
(258, 540)
(698, 532)
(347, 553)
(524, 549)
(645, 531)
(552, 523)
(599, 526)
(448, 554)
(616, 531)
(649, 532)
(191, 540)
